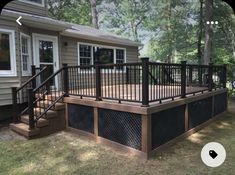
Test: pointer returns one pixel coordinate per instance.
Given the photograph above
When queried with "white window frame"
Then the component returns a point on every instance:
(13, 71)
(99, 45)
(28, 72)
(34, 3)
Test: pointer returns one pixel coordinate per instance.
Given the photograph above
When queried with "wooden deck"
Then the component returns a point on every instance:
(133, 92)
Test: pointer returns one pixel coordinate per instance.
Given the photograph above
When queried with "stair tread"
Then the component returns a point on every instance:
(49, 114)
(24, 130)
(58, 105)
(50, 96)
(41, 122)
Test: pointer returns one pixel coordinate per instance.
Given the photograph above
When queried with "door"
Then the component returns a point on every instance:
(46, 54)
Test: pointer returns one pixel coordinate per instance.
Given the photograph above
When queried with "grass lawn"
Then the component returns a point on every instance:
(66, 153)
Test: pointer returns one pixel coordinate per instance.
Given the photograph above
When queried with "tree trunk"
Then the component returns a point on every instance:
(208, 32)
(199, 41)
(94, 14)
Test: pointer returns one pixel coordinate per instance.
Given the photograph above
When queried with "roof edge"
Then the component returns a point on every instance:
(93, 38)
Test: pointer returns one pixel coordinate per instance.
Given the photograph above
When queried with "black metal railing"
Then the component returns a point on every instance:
(141, 82)
(45, 96)
(20, 95)
(144, 82)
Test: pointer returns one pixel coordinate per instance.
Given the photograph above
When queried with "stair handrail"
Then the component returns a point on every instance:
(34, 116)
(48, 79)
(32, 78)
(16, 91)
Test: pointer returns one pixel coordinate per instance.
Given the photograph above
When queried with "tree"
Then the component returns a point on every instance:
(125, 17)
(200, 28)
(76, 11)
(208, 32)
(94, 14)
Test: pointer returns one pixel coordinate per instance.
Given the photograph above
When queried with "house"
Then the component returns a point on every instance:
(43, 41)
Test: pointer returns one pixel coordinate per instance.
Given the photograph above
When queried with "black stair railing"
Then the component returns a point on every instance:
(20, 95)
(45, 96)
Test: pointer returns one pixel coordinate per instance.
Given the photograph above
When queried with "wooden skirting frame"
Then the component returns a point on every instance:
(146, 113)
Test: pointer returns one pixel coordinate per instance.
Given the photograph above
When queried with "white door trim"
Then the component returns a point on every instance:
(54, 39)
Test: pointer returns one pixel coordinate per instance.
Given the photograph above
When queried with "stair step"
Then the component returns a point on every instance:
(24, 130)
(50, 96)
(48, 115)
(46, 103)
(41, 122)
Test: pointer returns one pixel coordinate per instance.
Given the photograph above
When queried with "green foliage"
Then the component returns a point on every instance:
(76, 11)
(170, 29)
(125, 17)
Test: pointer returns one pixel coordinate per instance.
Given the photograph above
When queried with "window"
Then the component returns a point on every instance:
(7, 53)
(89, 54)
(85, 54)
(120, 58)
(35, 2)
(103, 55)
(25, 55)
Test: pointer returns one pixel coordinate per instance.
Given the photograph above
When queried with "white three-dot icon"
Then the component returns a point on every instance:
(212, 22)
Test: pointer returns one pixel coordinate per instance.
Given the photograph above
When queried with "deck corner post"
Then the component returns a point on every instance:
(224, 75)
(146, 135)
(183, 79)
(145, 82)
(210, 78)
(97, 81)
(31, 98)
(14, 104)
(66, 80)
(33, 71)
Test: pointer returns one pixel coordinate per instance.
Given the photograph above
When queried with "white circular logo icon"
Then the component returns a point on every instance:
(213, 154)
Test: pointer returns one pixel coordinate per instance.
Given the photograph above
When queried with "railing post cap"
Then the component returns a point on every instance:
(211, 64)
(64, 64)
(183, 62)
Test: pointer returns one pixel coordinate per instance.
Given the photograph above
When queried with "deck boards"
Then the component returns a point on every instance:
(133, 92)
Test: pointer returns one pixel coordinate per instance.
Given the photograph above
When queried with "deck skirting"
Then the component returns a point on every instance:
(144, 130)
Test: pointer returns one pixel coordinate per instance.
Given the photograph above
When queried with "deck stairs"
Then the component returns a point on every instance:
(44, 112)
(50, 122)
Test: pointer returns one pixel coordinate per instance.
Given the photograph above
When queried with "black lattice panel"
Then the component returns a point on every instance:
(81, 117)
(121, 127)
(199, 112)
(167, 125)
(220, 103)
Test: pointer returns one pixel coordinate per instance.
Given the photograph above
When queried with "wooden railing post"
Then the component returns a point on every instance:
(31, 98)
(66, 80)
(14, 104)
(33, 71)
(97, 81)
(210, 78)
(145, 82)
(183, 79)
(224, 75)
